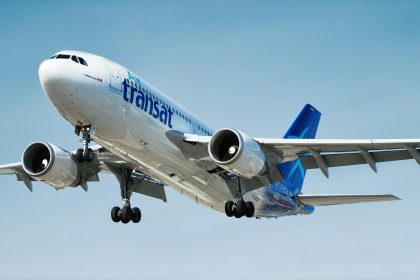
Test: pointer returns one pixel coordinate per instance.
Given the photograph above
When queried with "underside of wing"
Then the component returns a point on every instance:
(11, 168)
(325, 200)
(104, 160)
(325, 153)
(336, 145)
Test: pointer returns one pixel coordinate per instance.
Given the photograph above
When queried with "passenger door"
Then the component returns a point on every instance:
(114, 77)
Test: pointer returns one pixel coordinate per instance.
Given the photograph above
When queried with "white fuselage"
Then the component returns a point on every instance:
(93, 94)
(107, 95)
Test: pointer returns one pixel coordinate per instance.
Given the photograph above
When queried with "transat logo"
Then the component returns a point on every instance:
(144, 100)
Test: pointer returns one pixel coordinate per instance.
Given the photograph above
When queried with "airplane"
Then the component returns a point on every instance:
(149, 142)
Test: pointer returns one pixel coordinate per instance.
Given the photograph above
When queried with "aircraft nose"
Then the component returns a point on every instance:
(50, 75)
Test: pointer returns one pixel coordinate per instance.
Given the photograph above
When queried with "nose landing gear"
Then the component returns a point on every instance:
(86, 153)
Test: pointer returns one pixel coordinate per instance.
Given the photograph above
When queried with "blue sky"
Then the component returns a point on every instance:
(251, 65)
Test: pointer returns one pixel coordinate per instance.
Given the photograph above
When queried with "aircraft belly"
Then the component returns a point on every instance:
(268, 204)
(145, 143)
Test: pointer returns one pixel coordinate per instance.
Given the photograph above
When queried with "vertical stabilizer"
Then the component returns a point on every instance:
(304, 127)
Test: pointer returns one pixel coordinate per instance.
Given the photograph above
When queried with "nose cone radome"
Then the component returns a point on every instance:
(50, 74)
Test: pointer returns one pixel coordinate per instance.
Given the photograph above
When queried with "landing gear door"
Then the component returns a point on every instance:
(114, 78)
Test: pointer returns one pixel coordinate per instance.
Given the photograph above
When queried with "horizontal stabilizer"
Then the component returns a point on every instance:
(324, 200)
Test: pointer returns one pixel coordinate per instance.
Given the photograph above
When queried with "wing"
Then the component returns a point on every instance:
(107, 162)
(325, 200)
(17, 169)
(326, 153)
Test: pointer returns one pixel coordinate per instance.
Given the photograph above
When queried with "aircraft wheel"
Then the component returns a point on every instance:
(229, 208)
(136, 215)
(90, 155)
(125, 214)
(79, 155)
(250, 210)
(240, 209)
(236, 215)
(115, 214)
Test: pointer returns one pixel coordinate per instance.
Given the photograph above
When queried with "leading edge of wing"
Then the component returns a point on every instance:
(321, 145)
(326, 200)
(338, 145)
(10, 168)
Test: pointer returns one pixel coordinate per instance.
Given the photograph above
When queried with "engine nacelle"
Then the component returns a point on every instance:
(237, 152)
(50, 164)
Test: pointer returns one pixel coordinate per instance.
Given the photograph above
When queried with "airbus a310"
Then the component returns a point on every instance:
(148, 141)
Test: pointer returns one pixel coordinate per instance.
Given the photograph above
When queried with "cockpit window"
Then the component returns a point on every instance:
(74, 58)
(82, 61)
(63, 56)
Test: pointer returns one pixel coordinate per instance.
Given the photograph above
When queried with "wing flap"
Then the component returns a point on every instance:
(150, 188)
(325, 200)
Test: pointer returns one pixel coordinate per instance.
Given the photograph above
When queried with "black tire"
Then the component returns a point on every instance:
(125, 214)
(115, 214)
(229, 208)
(79, 155)
(250, 210)
(240, 209)
(136, 215)
(90, 155)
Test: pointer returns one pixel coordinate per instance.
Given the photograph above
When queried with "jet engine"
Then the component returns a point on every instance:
(237, 152)
(50, 164)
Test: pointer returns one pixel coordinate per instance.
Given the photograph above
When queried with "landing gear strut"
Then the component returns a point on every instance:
(240, 208)
(85, 154)
(126, 213)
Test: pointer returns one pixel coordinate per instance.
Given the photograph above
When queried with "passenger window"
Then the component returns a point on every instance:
(63, 56)
(82, 61)
(74, 58)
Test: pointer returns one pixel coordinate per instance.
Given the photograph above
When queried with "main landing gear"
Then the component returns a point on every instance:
(85, 154)
(126, 213)
(240, 208)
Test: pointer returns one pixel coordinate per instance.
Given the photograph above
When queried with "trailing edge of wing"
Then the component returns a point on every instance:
(325, 200)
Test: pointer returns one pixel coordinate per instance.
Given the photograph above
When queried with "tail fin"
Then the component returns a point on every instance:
(304, 127)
